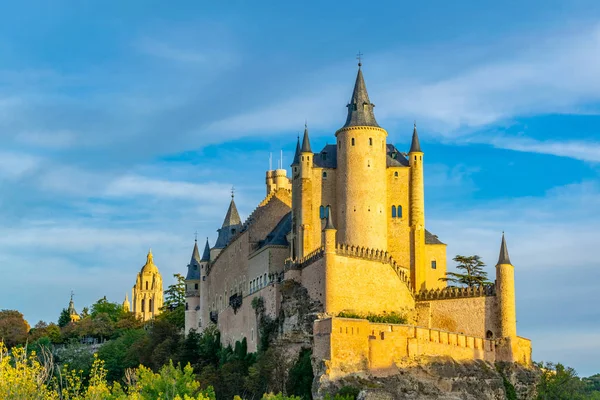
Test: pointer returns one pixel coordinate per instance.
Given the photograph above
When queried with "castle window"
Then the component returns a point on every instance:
(233, 231)
(324, 155)
(369, 163)
(433, 264)
(396, 174)
(370, 141)
(143, 305)
(489, 335)
(321, 212)
(324, 175)
(196, 286)
(399, 211)
(352, 141)
(186, 306)
(393, 211)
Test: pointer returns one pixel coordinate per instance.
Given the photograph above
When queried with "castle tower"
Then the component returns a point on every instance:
(232, 225)
(126, 305)
(417, 213)
(505, 291)
(361, 178)
(73, 316)
(329, 244)
(193, 287)
(302, 172)
(147, 293)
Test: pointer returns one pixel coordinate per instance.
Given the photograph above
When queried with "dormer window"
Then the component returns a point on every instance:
(324, 155)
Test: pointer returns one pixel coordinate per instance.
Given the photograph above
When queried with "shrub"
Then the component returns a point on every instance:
(385, 318)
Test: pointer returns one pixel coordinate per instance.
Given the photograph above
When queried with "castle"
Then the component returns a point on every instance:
(348, 227)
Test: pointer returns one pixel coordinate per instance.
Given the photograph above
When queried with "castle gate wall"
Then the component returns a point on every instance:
(473, 316)
(366, 286)
(355, 345)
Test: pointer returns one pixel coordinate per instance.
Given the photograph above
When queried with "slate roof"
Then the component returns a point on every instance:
(278, 235)
(306, 141)
(206, 253)
(327, 158)
(415, 145)
(430, 238)
(193, 272)
(503, 258)
(395, 158)
(360, 108)
(297, 153)
(231, 226)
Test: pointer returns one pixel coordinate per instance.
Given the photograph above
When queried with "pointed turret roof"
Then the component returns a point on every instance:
(415, 146)
(297, 154)
(503, 258)
(306, 141)
(206, 254)
(232, 217)
(360, 108)
(193, 272)
(195, 252)
(329, 223)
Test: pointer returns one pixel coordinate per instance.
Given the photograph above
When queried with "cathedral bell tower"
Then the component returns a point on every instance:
(361, 178)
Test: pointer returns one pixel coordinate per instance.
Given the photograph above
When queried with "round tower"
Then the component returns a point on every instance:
(269, 182)
(505, 293)
(361, 177)
(417, 214)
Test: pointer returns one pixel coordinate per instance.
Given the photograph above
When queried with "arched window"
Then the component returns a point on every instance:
(370, 141)
(433, 264)
(396, 173)
(393, 211)
(399, 211)
(143, 305)
(322, 212)
(186, 306)
(150, 308)
(146, 285)
(489, 335)
(324, 175)
(352, 141)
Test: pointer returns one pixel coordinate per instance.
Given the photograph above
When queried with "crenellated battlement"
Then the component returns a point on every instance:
(456, 292)
(304, 261)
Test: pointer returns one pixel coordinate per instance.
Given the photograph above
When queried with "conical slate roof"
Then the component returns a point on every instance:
(329, 223)
(415, 146)
(195, 252)
(503, 258)
(193, 272)
(297, 154)
(360, 108)
(206, 253)
(306, 141)
(232, 217)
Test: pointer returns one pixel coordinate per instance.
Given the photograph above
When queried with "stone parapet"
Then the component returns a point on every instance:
(304, 261)
(456, 292)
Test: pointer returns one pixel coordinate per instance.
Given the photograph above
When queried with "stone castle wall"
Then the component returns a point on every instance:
(349, 346)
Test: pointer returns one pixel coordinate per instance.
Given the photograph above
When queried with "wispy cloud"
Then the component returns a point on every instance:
(580, 150)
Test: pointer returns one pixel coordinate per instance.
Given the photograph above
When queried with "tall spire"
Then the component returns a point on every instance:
(206, 254)
(415, 146)
(195, 253)
(503, 258)
(360, 108)
(232, 217)
(329, 222)
(306, 141)
(297, 154)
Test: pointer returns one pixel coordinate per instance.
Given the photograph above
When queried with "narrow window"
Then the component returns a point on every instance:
(321, 212)
(186, 306)
(352, 141)
(370, 141)
(146, 285)
(303, 158)
(196, 286)
(433, 264)
(399, 211)
(489, 335)
(324, 175)
(143, 305)
(396, 174)
(150, 308)
(369, 163)
(393, 211)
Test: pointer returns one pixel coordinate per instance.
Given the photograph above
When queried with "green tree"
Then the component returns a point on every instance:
(77, 356)
(301, 376)
(559, 383)
(13, 328)
(114, 311)
(472, 273)
(64, 318)
(173, 308)
(121, 353)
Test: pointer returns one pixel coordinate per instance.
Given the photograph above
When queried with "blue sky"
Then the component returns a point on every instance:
(125, 124)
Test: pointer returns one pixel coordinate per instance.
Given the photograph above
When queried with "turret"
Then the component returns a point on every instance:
(505, 292)
(126, 305)
(329, 244)
(193, 286)
(302, 211)
(232, 225)
(306, 156)
(417, 213)
(361, 174)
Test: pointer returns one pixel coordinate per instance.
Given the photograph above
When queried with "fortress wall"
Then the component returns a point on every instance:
(398, 228)
(366, 286)
(435, 252)
(514, 349)
(471, 316)
(356, 345)
(313, 279)
(236, 326)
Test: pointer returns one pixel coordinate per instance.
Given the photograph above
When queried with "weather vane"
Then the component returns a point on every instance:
(196, 236)
(232, 191)
(359, 58)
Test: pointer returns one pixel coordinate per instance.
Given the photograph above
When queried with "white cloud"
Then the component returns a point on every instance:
(15, 165)
(580, 150)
